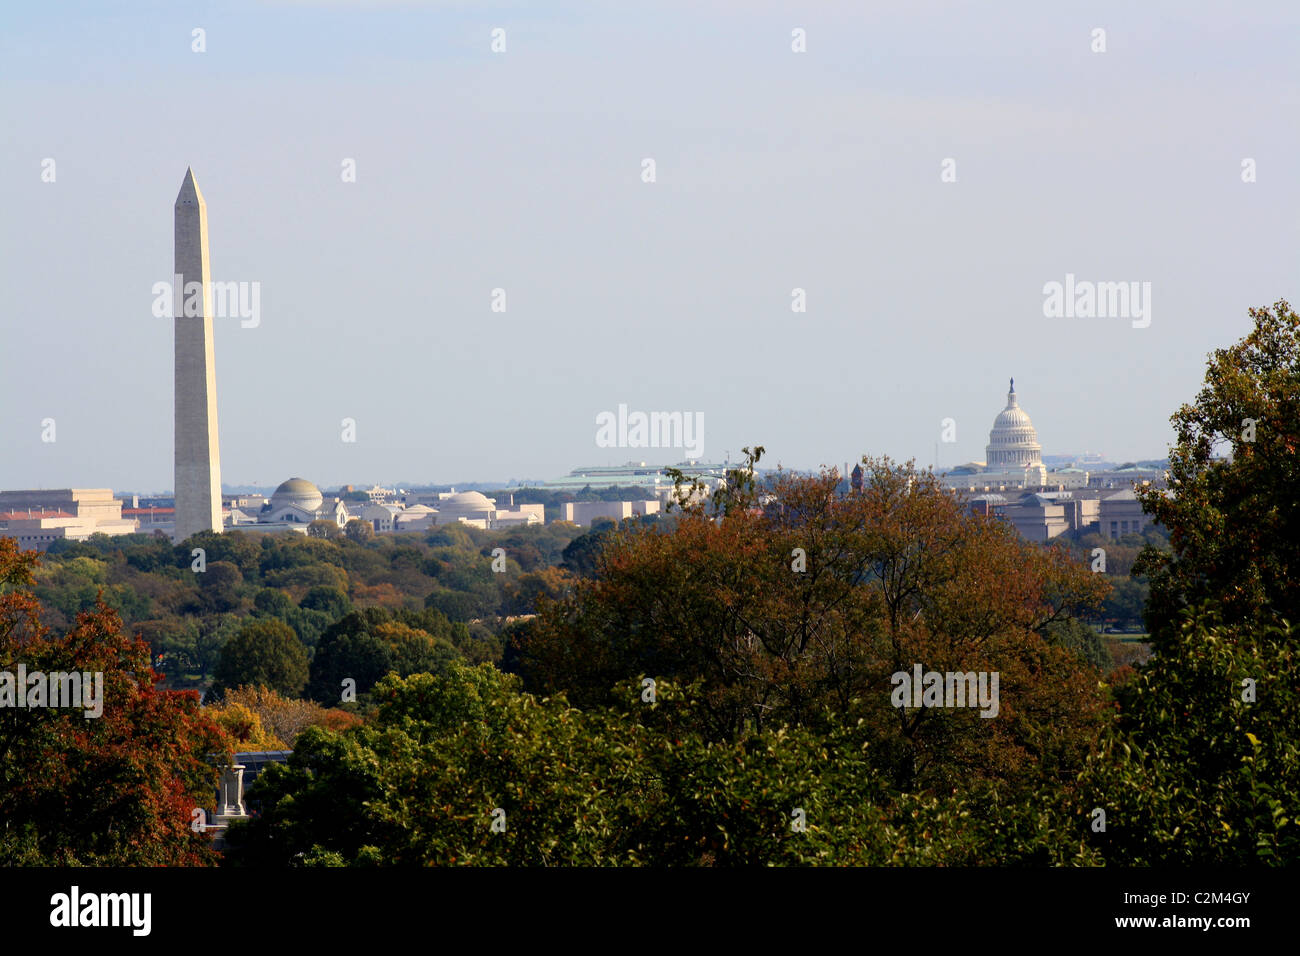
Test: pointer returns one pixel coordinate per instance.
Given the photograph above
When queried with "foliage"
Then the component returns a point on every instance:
(893, 577)
(284, 717)
(265, 652)
(244, 726)
(113, 790)
(1234, 532)
(424, 781)
(366, 645)
(1197, 774)
(1080, 639)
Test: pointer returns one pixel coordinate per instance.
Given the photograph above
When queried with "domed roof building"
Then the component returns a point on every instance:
(1013, 442)
(471, 507)
(1013, 456)
(295, 504)
(298, 492)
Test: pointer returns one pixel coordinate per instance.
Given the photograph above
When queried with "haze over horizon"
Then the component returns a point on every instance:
(522, 170)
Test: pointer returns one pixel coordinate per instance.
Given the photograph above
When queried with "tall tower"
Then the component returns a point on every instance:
(198, 461)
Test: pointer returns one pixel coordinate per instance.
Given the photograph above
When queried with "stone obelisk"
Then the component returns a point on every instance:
(198, 461)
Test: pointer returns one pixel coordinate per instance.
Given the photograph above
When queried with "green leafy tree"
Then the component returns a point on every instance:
(1205, 766)
(235, 547)
(219, 585)
(601, 787)
(365, 645)
(359, 531)
(266, 653)
(1233, 474)
(1080, 639)
(331, 601)
(272, 602)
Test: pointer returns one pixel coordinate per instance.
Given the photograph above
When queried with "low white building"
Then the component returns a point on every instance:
(583, 513)
(38, 518)
(296, 504)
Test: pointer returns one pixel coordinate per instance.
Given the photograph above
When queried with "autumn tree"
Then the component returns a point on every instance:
(359, 531)
(282, 719)
(788, 601)
(115, 789)
(1234, 475)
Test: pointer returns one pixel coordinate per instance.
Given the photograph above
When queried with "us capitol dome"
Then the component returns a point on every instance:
(1013, 443)
(1013, 456)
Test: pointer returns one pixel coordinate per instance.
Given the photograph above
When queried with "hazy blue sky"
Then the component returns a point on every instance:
(522, 170)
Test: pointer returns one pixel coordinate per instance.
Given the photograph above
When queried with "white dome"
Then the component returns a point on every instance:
(298, 492)
(1013, 442)
(465, 503)
(468, 499)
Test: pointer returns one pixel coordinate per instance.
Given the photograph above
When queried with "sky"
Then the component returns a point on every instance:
(922, 171)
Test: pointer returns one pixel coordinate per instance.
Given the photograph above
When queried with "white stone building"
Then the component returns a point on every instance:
(1013, 456)
(38, 518)
(583, 513)
(296, 504)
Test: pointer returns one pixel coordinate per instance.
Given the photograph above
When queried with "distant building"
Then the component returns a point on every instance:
(415, 518)
(420, 511)
(519, 515)
(651, 479)
(1041, 516)
(152, 520)
(381, 517)
(295, 504)
(1014, 462)
(583, 513)
(38, 518)
(1121, 514)
(1013, 457)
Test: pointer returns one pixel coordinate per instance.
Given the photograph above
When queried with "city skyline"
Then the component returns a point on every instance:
(915, 179)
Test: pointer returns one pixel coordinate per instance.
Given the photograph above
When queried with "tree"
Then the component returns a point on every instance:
(112, 790)
(244, 726)
(1205, 767)
(273, 603)
(332, 601)
(1079, 638)
(283, 718)
(467, 588)
(782, 603)
(365, 645)
(1233, 533)
(219, 584)
(233, 546)
(580, 554)
(447, 756)
(267, 653)
(359, 531)
(324, 528)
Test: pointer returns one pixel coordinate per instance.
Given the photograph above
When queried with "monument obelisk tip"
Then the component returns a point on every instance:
(189, 189)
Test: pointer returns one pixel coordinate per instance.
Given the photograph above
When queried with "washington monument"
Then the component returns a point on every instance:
(198, 461)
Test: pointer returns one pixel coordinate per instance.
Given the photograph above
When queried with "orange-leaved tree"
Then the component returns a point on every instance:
(114, 788)
(790, 602)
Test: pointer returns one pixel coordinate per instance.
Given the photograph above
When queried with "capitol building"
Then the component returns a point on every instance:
(1013, 457)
